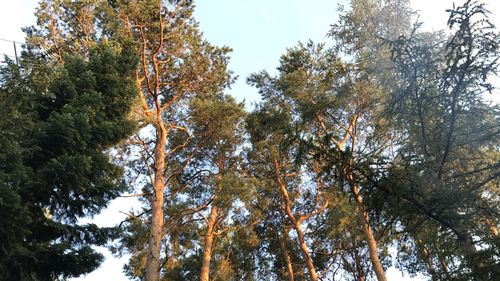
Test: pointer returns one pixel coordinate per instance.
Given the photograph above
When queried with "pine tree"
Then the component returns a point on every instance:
(300, 104)
(175, 64)
(218, 126)
(383, 139)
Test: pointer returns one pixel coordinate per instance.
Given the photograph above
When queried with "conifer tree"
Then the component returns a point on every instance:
(383, 139)
(175, 64)
(447, 172)
(218, 124)
(56, 162)
(305, 108)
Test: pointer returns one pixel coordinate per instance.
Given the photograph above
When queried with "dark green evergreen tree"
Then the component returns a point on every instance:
(58, 129)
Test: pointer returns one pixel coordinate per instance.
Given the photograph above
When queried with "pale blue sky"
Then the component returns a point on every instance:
(259, 31)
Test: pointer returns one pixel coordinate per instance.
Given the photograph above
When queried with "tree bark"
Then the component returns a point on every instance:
(211, 224)
(286, 256)
(295, 222)
(305, 251)
(153, 259)
(370, 238)
(208, 244)
(492, 227)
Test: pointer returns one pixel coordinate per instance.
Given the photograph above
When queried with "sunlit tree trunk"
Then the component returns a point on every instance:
(156, 235)
(426, 256)
(363, 212)
(296, 222)
(211, 225)
(208, 244)
(492, 227)
(370, 238)
(286, 255)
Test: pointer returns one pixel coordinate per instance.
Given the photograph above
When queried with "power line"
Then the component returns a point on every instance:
(44, 53)
(12, 41)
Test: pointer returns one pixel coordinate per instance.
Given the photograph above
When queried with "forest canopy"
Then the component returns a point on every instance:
(377, 148)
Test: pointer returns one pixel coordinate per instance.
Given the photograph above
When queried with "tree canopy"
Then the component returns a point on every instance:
(376, 148)
(58, 126)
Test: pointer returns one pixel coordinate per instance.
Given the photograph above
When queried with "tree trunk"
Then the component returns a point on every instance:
(444, 266)
(295, 222)
(370, 238)
(286, 255)
(156, 236)
(305, 251)
(492, 227)
(359, 267)
(209, 237)
(208, 244)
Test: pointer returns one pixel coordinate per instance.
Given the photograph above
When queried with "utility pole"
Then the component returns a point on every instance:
(14, 43)
(15, 52)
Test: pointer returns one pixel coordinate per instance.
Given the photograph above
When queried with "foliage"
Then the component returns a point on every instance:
(382, 141)
(59, 125)
(443, 183)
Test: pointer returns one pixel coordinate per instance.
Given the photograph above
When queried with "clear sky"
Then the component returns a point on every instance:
(259, 31)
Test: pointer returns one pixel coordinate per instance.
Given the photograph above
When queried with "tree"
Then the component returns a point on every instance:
(218, 125)
(316, 100)
(444, 182)
(206, 194)
(383, 139)
(176, 64)
(56, 161)
(274, 146)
